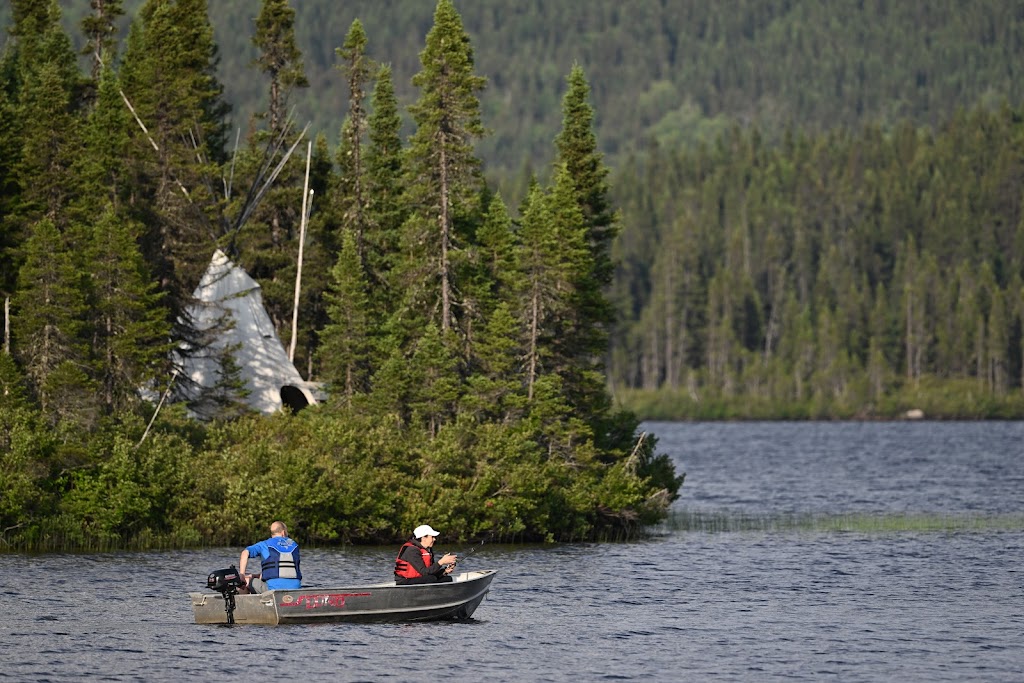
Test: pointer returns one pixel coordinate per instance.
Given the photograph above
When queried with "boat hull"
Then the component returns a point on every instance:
(384, 602)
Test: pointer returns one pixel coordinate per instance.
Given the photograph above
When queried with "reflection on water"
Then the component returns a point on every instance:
(797, 551)
(710, 522)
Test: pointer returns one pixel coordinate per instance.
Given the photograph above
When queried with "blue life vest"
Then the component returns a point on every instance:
(283, 561)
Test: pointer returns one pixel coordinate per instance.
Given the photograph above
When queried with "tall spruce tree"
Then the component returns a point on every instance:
(280, 58)
(444, 176)
(344, 349)
(168, 74)
(49, 310)
(384, 188)
(102, 171)
(100, 29)
(129, 328)
(126, 324)
(549, 257)
(578, 151)
(351, 190)
(48, 102)
(585, 340)
(12, 228)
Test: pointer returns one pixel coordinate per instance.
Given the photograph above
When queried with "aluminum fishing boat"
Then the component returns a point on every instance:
(381, 602)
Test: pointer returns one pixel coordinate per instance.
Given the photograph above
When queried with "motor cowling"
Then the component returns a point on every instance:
(225, 580)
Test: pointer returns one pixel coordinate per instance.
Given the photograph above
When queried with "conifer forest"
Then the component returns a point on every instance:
(523, 228)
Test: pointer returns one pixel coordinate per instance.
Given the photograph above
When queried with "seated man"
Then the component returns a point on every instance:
(279, 564)
(416, 564)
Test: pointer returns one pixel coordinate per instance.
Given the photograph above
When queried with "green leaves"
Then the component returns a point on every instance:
(461, 345)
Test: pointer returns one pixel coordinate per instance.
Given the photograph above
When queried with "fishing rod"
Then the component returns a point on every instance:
(459, 557)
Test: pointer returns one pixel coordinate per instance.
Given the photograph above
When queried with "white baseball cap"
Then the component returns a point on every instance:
(424, 530)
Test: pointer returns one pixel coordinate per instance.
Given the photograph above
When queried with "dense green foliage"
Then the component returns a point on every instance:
(462, 351)
(848, 274)
(744, 209)
(676, 71)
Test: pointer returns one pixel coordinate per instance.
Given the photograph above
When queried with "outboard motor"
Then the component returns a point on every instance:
(226, 582)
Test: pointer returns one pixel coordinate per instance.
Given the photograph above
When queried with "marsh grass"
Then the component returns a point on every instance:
(863, 523)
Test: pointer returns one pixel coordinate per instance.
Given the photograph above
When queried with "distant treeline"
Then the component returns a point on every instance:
(849, 274)
(462, 351)
(675, 71)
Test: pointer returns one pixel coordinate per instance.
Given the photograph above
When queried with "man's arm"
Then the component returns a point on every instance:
(242, 561)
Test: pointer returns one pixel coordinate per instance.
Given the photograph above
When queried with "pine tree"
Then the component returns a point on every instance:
(578, 151)
(49, 309)
(344, 350)
(496, 245)
(99, 29)
(443, 172)
(268, 241)
(351, 190)
(581, 176)
(129, 329)
(583, 340)
(48, 99)
(11, 229)
(168, 75)
(551, 251)
(384, 188)
(102, 170)
(279, 58)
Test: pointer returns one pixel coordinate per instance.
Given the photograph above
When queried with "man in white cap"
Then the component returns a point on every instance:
(416, 563)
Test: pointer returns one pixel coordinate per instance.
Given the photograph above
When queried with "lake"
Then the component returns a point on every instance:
(889, 551)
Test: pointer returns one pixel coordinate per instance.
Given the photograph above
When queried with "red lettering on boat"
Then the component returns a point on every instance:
(317, 600)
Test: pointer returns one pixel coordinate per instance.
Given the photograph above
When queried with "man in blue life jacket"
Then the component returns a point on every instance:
(279, 561)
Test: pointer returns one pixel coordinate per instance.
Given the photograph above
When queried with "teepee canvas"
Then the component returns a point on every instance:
(229, 307)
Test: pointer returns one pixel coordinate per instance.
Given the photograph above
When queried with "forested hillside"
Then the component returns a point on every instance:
(676, 71)
(854, 274)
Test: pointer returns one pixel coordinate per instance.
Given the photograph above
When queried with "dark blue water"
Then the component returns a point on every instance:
(782, 602)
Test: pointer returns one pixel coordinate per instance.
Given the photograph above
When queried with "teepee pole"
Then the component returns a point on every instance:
(306, 192)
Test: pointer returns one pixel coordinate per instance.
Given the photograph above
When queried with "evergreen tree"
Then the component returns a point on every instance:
(578, 151)
(443, 172)
(268, 240)
(11, 229)
(129, 327)
(168, 75)
(345, 341)
(496, 244)
(384, 188)
(280, 58)
(102, 170)
(585, 181)
(99, 29)
(548, 261)
(351, 190)
(49, 309)
(48, 100)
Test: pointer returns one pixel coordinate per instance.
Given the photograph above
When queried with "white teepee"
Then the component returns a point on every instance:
(230, 307)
